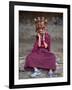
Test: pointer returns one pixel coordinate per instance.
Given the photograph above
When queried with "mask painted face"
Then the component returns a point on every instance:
(40, 24)
(40, 27)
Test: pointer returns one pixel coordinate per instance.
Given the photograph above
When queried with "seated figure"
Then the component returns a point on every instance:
(41, 56)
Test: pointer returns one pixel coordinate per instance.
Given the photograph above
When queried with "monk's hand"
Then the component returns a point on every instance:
(45, 44)
(39, 41)
(38, 35)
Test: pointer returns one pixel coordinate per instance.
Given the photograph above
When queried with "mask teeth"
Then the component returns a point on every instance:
(35, 19)
(43, 18)
(40, 19)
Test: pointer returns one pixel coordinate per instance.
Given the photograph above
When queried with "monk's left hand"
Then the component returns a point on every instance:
(45, 44)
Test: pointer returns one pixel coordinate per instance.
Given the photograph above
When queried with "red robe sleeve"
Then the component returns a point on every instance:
(35, 46)
(48, 41)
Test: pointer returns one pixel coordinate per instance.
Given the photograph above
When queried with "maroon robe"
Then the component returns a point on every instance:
(41, 57)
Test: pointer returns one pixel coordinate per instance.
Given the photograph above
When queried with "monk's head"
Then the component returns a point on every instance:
(40, 24)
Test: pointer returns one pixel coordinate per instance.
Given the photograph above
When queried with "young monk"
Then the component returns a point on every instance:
(41, 56)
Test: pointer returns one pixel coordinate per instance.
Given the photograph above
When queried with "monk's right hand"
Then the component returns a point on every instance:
(38, 35)
(39, 40)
